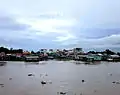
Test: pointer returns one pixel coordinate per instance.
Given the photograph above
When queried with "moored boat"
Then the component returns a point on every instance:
(32, 59)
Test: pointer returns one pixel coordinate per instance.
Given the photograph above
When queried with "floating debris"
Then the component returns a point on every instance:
(43, 82)
(95, 90)
(115, 82)
(10, 78)
(30, 75)
(63, 93)
(110, 74)
(83, 80)
(1, 84)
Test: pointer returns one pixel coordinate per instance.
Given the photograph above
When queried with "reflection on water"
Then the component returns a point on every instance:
(67, 77)
(31, 63)
(86, 63)
(3, 63)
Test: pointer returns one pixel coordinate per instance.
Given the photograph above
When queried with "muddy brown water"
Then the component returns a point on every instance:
(64, 76)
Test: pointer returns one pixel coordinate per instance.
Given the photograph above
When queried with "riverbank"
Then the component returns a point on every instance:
(71, 54)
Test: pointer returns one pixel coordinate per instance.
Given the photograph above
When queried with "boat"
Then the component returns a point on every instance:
(50, 57)
(32, 59)
(109, 59)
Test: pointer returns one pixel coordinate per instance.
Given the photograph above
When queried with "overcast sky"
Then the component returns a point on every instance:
(34, 24)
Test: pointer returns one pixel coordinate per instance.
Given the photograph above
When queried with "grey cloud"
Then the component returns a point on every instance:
(112, 41)
(95, 32)
(10, 24)
(97, 21)
(14, 34)
(31, 41)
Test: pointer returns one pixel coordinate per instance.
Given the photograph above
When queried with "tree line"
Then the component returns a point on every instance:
(107, 51)
(11, 50)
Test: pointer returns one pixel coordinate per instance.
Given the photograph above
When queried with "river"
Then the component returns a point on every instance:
(61, 76)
